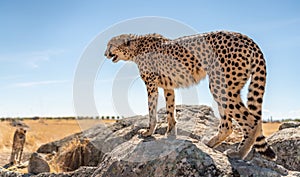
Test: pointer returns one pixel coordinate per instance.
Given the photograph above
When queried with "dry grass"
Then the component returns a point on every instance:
(71, 156)
(40, 132)
(270, 128)
(6, 136)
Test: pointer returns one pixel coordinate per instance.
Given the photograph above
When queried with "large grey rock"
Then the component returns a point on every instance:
(197, 122)
(286, 144)
(37, 164)
(164, 157)
(55, 145)
(182, 156)
(290, 124)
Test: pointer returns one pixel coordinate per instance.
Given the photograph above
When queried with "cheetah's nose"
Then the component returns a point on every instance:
(108, 54)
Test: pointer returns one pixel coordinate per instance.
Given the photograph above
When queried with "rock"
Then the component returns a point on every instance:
(192, 121)
(73, 156)
(182, 156)
(286, 144)
(81, 172)
(164, 157)
(290, 124)
(118, 150)
(55, 145)
(18, 123)
(10, 174)
(37, 164)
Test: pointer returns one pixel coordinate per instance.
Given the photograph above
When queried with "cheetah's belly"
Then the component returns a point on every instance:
(176, 75)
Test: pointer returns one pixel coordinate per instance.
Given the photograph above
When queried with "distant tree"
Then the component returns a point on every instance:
(35, 118)
(107, 117)
(271, 119)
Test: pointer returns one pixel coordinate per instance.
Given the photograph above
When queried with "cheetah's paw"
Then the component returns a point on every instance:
(233, 154)
(145, 132)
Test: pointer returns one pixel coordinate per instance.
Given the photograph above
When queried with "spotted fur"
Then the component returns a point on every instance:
(228, 58)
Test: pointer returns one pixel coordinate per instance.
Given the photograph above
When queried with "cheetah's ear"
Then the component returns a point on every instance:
(127, 41)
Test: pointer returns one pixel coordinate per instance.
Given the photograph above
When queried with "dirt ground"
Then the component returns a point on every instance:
(44, 130)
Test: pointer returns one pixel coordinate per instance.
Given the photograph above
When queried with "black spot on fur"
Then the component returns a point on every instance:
(259, 100)
(252, 107)
(260, 138)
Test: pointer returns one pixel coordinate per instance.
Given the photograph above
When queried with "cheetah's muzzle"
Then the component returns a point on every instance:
(114, 57)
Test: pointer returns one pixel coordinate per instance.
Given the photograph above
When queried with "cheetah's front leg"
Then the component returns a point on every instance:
(152, 105)
(13, 156)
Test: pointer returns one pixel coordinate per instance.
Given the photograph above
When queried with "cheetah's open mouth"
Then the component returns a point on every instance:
(115, 58)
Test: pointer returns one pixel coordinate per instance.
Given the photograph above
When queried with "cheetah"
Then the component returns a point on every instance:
(18, 145)
(229, 59)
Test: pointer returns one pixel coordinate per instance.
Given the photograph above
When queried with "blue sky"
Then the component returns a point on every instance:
(41, 43)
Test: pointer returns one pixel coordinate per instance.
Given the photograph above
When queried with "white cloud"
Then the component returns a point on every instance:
(35, 58)
(31, 59)
(10, 77)
(266, 111)
(279, 115)
(38, 83)
(294, 114)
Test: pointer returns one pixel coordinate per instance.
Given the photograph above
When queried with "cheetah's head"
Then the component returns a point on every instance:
(21, 132)
(120, 48)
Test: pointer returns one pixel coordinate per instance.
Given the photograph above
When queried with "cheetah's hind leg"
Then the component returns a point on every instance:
(170, 107)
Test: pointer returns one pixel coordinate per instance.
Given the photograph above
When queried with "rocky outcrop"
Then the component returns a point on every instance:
(74, 155)
(37, 164)
(193, 121)
(4, 173)
(290, 124)
(118, 150)
(161, 156)
(182, 156)
(55, 145)
(286, 144)
(18, 123)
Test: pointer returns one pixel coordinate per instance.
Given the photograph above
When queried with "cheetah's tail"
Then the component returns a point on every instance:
(255, 100)
(262, 147)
